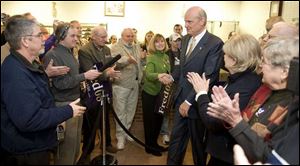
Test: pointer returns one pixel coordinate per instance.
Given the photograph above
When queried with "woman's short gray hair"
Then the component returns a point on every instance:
(17, 27)
(280, 51)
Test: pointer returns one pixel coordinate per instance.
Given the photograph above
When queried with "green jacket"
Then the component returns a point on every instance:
(156, 63)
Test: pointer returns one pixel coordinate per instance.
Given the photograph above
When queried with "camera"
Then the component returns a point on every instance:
(60, 133)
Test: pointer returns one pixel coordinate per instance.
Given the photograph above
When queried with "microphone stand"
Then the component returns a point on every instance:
(104, 159)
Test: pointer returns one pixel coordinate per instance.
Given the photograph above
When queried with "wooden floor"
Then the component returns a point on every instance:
(134, 154)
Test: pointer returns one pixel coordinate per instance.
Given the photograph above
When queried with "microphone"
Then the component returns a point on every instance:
(108, 64)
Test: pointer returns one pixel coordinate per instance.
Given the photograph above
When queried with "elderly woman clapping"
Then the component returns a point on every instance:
(262, 125)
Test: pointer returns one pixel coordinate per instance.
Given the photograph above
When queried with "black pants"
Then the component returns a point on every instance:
(184, 129)
(214, 161)
(92, 119)
(152, 120)
(36, 158)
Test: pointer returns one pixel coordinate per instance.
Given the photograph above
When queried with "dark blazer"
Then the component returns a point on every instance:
(219, 141)
(89, 54)
(206, 57)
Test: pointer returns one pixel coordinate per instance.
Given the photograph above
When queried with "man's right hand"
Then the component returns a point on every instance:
(77, 110)
(112, 73)
(165, 78)
(53, 71)
(131, 60)
(92, 74)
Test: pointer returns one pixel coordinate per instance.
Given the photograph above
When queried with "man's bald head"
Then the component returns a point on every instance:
(195, 20)
(284, 29)
(98, 30)
(128, 36)
(271, 21)
(99, 36)
(197, 12)
(127, 31)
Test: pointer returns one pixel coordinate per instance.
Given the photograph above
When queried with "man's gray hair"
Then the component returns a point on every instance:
(97, 31)
(202, 14)
(17, 27)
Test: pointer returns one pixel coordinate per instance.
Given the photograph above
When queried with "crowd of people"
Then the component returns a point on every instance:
(44, 77)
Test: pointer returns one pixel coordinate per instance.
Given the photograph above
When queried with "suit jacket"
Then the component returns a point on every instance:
(89, 54)
(131, 74)
(206, 57)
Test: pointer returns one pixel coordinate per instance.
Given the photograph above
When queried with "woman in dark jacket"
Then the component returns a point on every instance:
(242, 55)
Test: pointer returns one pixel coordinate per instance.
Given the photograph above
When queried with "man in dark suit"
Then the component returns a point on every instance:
(201, 52)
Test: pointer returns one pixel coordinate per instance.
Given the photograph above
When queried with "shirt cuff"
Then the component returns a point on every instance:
(188, 102)
(199, 94)
(172, 78)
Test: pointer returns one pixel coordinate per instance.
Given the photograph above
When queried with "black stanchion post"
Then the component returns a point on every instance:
(104, 159)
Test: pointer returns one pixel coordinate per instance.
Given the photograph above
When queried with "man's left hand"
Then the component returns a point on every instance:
(53, 71)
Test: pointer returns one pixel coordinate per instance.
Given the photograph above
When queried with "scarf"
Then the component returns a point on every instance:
(256, 101)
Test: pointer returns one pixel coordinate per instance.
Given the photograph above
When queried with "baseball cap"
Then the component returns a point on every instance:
(175, 36)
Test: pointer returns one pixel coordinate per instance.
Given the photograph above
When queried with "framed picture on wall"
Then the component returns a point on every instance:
(276, 8)
(114, 8)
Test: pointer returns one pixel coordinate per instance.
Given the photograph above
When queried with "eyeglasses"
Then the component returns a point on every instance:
(263, 62)
(40, 35)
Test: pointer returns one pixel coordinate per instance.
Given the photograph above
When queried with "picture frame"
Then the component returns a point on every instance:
(114, 8)
(276, 8)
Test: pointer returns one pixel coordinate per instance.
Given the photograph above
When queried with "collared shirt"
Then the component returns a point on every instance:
(198, 38)
(97, 47)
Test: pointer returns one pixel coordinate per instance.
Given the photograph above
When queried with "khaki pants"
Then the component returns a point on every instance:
(68, 150)
(124, 103)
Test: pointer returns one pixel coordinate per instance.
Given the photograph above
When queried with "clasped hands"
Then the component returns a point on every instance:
(221, 107)
(165, 78)
(224, 108)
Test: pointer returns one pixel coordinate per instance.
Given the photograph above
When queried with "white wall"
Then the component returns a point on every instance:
(253, 16)
(41, 10)
(145, 15)
(290, 12)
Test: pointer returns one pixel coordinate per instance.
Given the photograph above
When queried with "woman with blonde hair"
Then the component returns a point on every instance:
(157, 67)
(242, 56)
(147, 40)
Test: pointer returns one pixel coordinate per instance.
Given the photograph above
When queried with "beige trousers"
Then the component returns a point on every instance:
(124, 103)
